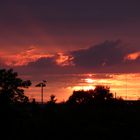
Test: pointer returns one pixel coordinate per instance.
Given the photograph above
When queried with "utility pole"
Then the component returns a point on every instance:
(126, 86)
(42, 85)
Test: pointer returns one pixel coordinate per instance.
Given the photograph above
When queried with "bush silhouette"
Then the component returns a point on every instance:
(12, 87)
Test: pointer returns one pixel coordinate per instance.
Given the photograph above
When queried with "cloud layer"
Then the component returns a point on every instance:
(106, 57)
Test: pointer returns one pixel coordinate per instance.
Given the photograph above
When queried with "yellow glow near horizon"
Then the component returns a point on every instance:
(89, 80)
(126, 86)
(83, 87)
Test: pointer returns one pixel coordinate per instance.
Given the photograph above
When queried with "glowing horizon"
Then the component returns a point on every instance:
(126, 86)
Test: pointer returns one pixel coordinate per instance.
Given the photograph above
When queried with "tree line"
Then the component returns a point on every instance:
(12, 91)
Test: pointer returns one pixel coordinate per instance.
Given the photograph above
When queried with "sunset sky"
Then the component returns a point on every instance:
(73, 44)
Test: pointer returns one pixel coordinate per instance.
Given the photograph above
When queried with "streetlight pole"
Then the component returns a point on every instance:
(42, 93)
(126, 87)
(42, 85)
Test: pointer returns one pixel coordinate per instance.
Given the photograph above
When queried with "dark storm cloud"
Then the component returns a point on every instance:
(45, 66)
(39, 67)
(105, 57)
(105, 54)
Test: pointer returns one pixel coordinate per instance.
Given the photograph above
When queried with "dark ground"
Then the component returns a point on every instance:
(62, 121)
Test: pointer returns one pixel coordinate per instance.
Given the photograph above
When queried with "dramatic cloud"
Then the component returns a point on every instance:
(105, 54)
(109, 56)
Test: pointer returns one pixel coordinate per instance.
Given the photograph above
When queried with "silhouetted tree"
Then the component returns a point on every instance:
(102, 93)
(99, 94)
(52, 100)
(80, 97)
(12, 87)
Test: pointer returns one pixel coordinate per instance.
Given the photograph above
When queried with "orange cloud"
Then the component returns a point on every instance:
(132, 56)
(30, 55)
(64, 60)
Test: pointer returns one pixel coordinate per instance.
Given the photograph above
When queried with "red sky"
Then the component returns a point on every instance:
(39, 38)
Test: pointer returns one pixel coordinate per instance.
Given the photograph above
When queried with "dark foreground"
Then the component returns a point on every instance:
(63, 121)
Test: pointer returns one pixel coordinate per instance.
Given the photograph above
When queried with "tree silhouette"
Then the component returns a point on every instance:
(52, 100)
(102, 93)
(12, 87)
(99, 94)
(80, 97)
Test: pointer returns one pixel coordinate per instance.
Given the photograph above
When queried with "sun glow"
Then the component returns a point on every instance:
(89, 80)
(126, 86)
(83, 88)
